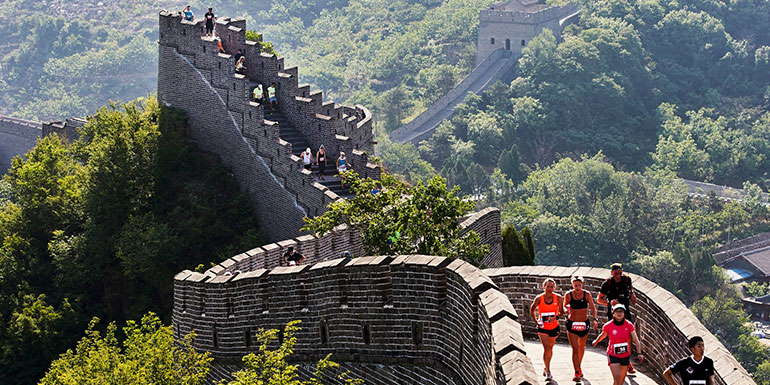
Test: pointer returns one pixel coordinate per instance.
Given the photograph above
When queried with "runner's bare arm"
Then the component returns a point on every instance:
(599, 338)
(638, 344)
(601, 299)
(567, 298)
(533, 306)
(560, 301)
(592, 310)
(669, 377)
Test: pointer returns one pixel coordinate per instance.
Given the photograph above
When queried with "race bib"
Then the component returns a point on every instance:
(621, 348)
(547, 317)
(697, 382)
(579, 326)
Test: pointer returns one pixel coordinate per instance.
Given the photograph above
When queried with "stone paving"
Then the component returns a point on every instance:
(595, 367)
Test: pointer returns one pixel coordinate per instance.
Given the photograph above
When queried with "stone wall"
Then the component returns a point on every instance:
(419, 312)
(17, 136)
(515, 26)
(664, 323)
(733, 249)
(331, 245)
(194, 77)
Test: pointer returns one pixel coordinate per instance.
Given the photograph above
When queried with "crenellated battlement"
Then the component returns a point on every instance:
(225, 118)
(522, 17)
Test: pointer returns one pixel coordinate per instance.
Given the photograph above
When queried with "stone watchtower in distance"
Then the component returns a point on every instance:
(512, 24)
(225, 118)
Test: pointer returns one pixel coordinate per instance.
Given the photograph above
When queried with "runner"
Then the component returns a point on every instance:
(549, 307)
(696, 369)
(578, 304)
(618, 289)
(621, 333)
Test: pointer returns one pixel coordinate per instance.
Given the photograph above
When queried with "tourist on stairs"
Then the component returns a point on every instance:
(618, 289)
(320, 160)
(307, 158)
(578, 303)
(696, 369)
(546, 309)
(621, 333)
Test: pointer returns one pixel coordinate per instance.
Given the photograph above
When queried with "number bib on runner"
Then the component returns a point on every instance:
(621, 348)
(579, 326)
(697, 382)
(548, 317)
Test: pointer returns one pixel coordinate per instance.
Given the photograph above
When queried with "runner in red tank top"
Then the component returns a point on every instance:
(621, 333)
(548, 307)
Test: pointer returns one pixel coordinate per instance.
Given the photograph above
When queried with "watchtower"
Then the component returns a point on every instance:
(512, 24)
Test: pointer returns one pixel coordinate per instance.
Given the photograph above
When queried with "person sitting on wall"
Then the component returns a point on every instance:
(220, 47)
(342, 166)
(292, 257)
(188, 14)
(210, 19)
(272, 97)
(240, 65)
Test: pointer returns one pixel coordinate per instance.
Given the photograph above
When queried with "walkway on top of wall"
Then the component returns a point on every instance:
(594, 366)
(493, 68)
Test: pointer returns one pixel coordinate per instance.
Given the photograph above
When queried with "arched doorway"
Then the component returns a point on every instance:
(507, 44)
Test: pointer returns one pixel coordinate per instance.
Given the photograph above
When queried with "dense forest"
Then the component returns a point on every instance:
(583, 149)
(98, 227)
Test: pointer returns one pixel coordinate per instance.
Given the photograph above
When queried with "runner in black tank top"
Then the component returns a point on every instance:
(578, 305)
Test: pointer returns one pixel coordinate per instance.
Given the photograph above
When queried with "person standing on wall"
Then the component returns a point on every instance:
(546, 309)
(618, 290)
(320, 160)
(188, 14)
(210, 19)
(621, 333)
(578, 304)
(696, 369)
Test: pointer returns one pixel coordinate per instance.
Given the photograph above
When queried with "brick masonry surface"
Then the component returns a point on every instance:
(422, 313)
(17, 136)
(223, 119)
(331, 245)
(664, 323)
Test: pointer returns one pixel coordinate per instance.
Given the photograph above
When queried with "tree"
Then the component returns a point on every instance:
(518, 247)
(660, 268)
(148, 355)
(395, 218)
(510, 163)
(722, 314)
(270, 366)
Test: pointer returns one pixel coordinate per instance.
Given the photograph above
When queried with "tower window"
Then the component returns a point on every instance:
(523, 43)
(492, 40)
(508, 44)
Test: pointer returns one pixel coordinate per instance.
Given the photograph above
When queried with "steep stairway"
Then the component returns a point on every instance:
(298, 142)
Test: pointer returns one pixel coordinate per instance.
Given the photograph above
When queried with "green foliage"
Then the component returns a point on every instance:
(518, 247)
(402, 219)
(756, 289)
(130, 202)
(264, 46)
(270, 366)
(147, 355)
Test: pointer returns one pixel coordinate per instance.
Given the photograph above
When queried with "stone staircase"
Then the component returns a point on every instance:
(298, 142)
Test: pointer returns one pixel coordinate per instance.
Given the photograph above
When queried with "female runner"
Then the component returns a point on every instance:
(549, 307)
(578, 304)
(621, 332)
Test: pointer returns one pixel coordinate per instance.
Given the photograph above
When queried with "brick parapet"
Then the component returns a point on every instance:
(416, 310)
(192, 73)
(17, 136)
(538, 17)
(343, 238)
(664, 323)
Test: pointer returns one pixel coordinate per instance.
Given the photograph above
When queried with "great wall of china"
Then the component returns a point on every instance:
(389, 319)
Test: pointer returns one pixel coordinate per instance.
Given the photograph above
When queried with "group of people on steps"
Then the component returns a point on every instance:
(581, 316)
(320, 159)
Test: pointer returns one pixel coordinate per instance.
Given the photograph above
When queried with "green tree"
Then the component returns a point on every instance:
(661, 268)
(148, 355)
(402, 219)
(518, 247)
(756, 289)
(270, 366)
